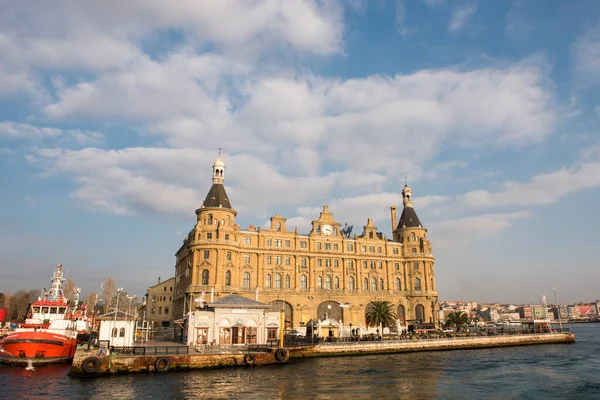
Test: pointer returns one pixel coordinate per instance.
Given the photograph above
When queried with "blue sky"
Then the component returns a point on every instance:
(111, 114)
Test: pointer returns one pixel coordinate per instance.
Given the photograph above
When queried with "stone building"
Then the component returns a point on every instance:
(159, 302)
(327, 273)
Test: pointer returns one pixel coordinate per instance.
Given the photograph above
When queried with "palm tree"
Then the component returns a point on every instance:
(458, 319)
(379, 312)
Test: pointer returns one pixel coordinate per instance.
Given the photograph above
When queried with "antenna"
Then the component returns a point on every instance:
(220, 151)
(405, 181)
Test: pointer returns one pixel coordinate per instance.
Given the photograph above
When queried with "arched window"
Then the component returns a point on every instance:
(288, 281)
(223, 222)
(278, 281)
(413, 237)
(114, 332)
(205, 277)
(371, 235)
(228, 220)
(228, 278)
(381, 285)
(420, 313)
(278, 227)
(319, 282)
(373, 283)
(160, 309)
(328, 282)
(268, 283)
(122, 332)
(303, 284)
(398, 284)
(350, 264)
(335, 232)
(416, 265)
(337, 282)
(246, 279)
(417, 284)
(210, 219)
(366, 284)
(351, 283)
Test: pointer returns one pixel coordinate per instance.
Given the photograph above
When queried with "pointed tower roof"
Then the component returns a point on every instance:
(409, 218)
(217, 197)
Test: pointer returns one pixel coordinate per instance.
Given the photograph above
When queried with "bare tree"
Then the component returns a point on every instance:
(90, 302)
(69, 290)
(2, 300)
(20, 302)
(108, 293)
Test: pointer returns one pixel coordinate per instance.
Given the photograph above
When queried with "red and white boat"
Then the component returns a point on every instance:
(49, 333)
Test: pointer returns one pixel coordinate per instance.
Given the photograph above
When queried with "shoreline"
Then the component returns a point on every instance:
(87, 364)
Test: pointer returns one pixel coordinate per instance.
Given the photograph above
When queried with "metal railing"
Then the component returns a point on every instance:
(149, 350)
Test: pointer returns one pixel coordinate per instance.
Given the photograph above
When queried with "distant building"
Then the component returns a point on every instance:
(328, 272)
(159, 303)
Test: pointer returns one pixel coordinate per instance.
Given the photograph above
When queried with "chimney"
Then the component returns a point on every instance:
(393, 210)
(159, 279)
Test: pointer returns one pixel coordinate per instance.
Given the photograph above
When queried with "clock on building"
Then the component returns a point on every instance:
(326, 229)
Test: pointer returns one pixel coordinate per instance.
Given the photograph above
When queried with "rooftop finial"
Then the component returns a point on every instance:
(405, 182)
(220, 151)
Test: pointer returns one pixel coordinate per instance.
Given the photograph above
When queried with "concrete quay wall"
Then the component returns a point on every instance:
(402, 346)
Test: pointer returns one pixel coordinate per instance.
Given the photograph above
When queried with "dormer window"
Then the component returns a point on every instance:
(278, 227)
(318, 229)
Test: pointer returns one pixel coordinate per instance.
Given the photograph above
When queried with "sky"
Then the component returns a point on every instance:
(112, 114)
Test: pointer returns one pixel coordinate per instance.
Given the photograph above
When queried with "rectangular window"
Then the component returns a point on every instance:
(246, 258)
(247, 240)
(335, 247)
(268, 260)
(319, 262)
(380, 265)
(209, 236)
(271, 333)
(349, 247)
(372, 249)
(303, 261)
(327, 246)
(336, 263)
(287, 260)
(303, 245)
(365, 264)
(372, 264)
(397, 266)
(395, 251)
(288, 243)
(227, 236)
(228, 256)
(414, 250)
(363, 248)
(269, 242)
(277, 242)
(327, 262)
(206, 254)
(166, 310)
(277, 260)
(350, 264)
(379, 249)
(318, 245)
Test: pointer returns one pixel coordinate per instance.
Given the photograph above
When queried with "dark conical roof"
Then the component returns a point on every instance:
(409, 219)
(217, 197)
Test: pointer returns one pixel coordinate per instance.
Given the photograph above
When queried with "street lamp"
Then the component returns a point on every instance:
(130, 298)
(119, 290)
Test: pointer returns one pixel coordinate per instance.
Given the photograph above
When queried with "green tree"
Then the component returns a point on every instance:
(458, 319)
(380, 313)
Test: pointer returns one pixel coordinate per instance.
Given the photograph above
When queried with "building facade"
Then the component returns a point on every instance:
(327, 273)
(159, 302)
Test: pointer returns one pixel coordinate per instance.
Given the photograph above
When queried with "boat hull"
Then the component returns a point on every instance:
(37, 347)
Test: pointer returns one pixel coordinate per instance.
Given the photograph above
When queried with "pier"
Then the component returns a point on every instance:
(159, 359)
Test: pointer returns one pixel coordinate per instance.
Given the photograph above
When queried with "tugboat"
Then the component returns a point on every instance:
(49, 333)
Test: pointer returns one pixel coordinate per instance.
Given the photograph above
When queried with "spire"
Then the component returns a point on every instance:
(409, 218)
(216, 196)
(218, 170)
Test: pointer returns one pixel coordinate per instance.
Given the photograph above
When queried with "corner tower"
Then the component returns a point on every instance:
(419, 261)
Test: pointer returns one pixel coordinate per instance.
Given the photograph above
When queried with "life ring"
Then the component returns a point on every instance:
(162, 364)
(90, 365)
(280, 354)
(249, 359)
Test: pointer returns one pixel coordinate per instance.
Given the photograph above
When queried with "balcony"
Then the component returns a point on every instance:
(277, 290)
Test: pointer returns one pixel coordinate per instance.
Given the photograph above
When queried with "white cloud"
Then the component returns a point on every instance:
(461, 15)
(541, 189)
(18, 131)
(400, 17)
(586, 55)
(458, 232)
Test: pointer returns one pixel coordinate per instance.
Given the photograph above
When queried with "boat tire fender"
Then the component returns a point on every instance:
(249, 359)
(90, 365)
(280, 354)
(162, 364)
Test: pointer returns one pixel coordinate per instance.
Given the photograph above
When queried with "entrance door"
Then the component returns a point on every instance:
(225, 336)
(237, 335)
(201, 335)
